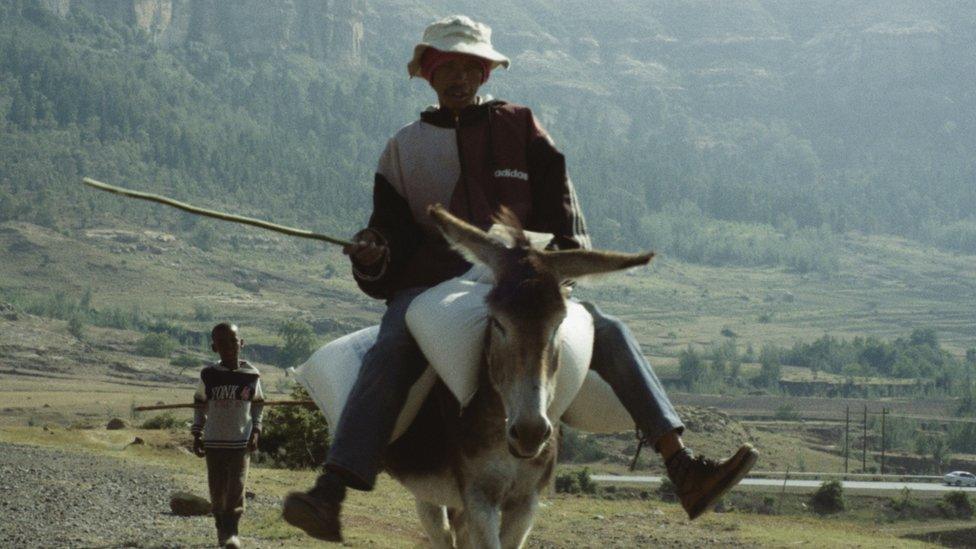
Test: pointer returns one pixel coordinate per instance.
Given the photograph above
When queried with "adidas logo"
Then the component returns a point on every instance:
(514, 174)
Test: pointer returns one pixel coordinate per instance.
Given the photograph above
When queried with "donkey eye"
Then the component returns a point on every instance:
(497, 325)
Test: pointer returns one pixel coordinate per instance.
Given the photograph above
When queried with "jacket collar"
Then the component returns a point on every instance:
(470, 116)
(243, 367)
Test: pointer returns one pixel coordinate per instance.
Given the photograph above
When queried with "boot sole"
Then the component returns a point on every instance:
(747, 457)
(304, 515)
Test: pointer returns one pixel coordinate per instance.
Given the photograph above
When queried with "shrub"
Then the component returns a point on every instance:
(577, 448)
(666, 490)
(185, 361)
(575, 482)
(786, 412)
(903, 503)
(294, 436)
(957, 505)
(156, 345)
(829, 498)
(202, 313)
(163, 421)
(585, 482)
(567, 483)
(204, 238)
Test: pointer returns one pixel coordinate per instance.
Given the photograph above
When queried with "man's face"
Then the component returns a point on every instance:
(227, 343)
(456, 82)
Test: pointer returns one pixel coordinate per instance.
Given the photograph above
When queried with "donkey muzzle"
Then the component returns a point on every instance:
(527, 438)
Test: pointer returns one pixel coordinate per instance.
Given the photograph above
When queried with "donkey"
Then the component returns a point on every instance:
(477, 473)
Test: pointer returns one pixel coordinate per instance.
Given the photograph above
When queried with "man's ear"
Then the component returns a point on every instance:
(242, 343)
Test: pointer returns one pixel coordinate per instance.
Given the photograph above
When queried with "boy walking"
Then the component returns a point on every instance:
(226, 426)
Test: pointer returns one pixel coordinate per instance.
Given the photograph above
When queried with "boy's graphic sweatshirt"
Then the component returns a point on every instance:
(229, 405)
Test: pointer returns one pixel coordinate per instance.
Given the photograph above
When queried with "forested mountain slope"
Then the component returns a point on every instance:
(743, 132)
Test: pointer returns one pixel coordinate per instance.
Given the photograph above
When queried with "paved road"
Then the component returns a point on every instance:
(768, 484)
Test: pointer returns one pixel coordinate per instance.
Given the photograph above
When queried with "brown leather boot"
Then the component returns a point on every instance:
(317, 511)
(317, 517)
(700, 483)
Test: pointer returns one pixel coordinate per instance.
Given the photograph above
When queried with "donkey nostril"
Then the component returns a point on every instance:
(548, 431)
(513, 433)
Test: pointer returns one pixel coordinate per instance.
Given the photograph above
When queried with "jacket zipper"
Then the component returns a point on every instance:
(463, 180)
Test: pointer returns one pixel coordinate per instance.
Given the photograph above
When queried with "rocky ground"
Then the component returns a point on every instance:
(55, 498)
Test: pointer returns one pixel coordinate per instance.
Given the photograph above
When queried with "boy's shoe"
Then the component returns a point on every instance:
(316, 516)
(232, 542)
(700, 483)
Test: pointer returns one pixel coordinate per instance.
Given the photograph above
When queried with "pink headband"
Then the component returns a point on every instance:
(433, 59)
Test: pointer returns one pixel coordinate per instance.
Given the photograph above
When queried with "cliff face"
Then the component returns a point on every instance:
(325, 29)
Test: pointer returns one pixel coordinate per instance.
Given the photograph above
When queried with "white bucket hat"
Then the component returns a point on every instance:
(457, 34)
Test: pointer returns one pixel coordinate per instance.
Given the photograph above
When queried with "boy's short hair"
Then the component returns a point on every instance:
(222, 328)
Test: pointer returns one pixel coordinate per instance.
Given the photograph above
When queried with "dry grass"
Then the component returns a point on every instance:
(385, 517)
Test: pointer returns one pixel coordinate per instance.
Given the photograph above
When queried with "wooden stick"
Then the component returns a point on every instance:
(291, 231)
(307, 403)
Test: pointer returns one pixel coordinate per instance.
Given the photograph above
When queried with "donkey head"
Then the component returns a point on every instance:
(526, 307)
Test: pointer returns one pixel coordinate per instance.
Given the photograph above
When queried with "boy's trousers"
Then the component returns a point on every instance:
(226, 474)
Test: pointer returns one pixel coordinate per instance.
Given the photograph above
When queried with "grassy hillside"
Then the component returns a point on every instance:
(825, 119)
(884, 287)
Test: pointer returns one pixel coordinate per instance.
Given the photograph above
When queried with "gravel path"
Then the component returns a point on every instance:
(51, 498)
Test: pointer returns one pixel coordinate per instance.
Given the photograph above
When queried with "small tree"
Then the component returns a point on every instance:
(76, 327)
(156, 344)
(770, 369)
(829, 498)
(294, 436)
(299, 343)
(691, 367)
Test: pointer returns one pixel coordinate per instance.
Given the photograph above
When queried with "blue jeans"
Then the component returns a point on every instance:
(395, 363)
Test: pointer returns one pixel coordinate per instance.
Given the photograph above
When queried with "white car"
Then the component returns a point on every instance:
(960, 478)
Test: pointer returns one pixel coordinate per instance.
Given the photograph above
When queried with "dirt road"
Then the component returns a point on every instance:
(55, 498)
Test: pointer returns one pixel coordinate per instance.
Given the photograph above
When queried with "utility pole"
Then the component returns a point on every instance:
(884, 412)
(847, 437)
(864, 443)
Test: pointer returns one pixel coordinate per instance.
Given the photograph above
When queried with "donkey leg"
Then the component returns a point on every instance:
(434, 520)
(517, 517)
(481, 522)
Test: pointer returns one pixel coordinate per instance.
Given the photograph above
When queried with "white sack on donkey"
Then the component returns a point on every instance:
(449, 322)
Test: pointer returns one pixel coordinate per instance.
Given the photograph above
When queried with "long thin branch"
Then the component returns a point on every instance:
(291, 231)
(306, 403)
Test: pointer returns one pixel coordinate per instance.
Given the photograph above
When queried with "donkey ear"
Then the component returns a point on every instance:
(572, 264)
(474, 244)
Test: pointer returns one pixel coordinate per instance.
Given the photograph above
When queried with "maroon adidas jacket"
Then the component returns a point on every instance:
(495, 154)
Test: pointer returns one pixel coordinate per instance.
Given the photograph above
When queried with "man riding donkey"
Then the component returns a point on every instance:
(476, 156)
